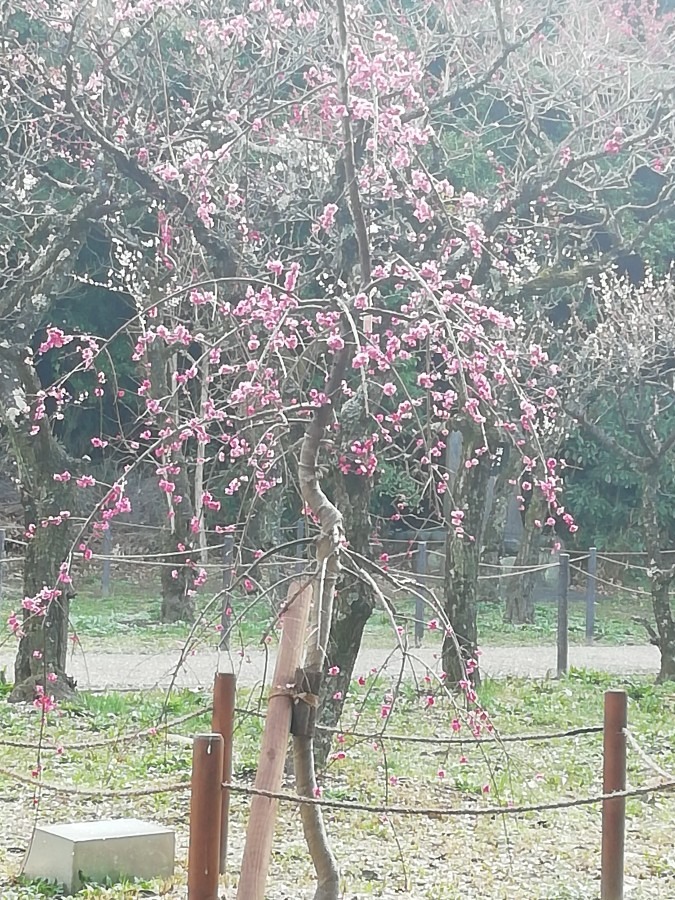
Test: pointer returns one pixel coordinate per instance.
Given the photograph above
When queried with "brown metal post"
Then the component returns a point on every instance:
(614, 779)
(222, 722)
(205, 808)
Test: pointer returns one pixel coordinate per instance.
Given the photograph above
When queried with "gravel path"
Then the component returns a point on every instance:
(99, 670)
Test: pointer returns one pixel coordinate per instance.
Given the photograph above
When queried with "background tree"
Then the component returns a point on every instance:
(624, 372)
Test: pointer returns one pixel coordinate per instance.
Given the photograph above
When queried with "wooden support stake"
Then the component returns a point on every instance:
(260, 831)
(563, 625)
(614, 779)
(222, 722)
(299, 547)
(590, 594)
(2, 559)
(226, 611)
(205, 809)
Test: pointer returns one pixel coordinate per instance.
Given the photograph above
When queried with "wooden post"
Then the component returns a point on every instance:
(222, 722)
(260, 831)
(107, 553)
(299, 548)
(225, 619)
(590, 594)
(205, 806)
(563, 584)
(421, 563)
(2, 559)
(614, 779)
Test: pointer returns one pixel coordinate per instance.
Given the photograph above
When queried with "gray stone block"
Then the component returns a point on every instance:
(93, 851)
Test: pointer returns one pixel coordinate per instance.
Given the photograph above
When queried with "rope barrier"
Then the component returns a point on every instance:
(348, 806)
(624, 565)
(448, 811)
(71, 790)
(485, 739)
(361, 735)
(644, 756)
(417, 739)
(611, 584)
(109, 742)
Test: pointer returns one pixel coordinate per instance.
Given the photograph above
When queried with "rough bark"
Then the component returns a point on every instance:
(177, 567)
(178, 604)
(660, 578)
(462, 557)
(519, 589)
(328, 549)
(43, 648)
(352, 608)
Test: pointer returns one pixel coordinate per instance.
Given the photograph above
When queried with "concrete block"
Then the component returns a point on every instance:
(93, 851)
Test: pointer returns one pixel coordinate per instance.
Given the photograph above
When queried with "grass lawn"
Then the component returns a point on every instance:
(129, 620)
(552, 855)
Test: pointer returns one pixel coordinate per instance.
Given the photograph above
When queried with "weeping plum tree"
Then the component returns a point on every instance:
(218, 158)
(190, 134)
(281, 196)
(625, 368)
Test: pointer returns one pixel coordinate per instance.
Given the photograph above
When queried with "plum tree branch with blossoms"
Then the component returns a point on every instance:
(314, 279)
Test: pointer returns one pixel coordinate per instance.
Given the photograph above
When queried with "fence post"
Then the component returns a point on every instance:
(590, 594)
(563, 585)
(107, 553)
(613, 779)
(225, 619)
(2, 560)
(222, 722)
(205, 806)
(299, 548)
(421, 568)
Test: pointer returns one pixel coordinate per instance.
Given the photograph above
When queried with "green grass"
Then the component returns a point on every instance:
(550, 855)
(129, 620)
(614, 623)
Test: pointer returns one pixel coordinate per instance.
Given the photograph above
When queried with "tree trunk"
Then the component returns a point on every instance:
(43, 648)
(352, 608)
(660, 578)
(42, 652)
(177, 578)
(519, 589)
(178, 569)
(462, 556)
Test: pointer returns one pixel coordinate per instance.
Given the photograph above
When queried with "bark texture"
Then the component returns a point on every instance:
(462, 557)
(352, 608)
(519, 589)
(660, 579)
(43, 648)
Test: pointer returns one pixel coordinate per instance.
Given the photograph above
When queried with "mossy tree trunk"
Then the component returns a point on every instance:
(660, 577)
(178, 540)
(462, 558)
(352, 608)
(42, 653)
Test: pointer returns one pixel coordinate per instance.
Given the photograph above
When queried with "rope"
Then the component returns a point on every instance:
(69, 790)
(616, 587)
(350, 806)
(624, 565)
(486, 739)
(109, 742)
(361, 735)
(644, 756)
(447, 811)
